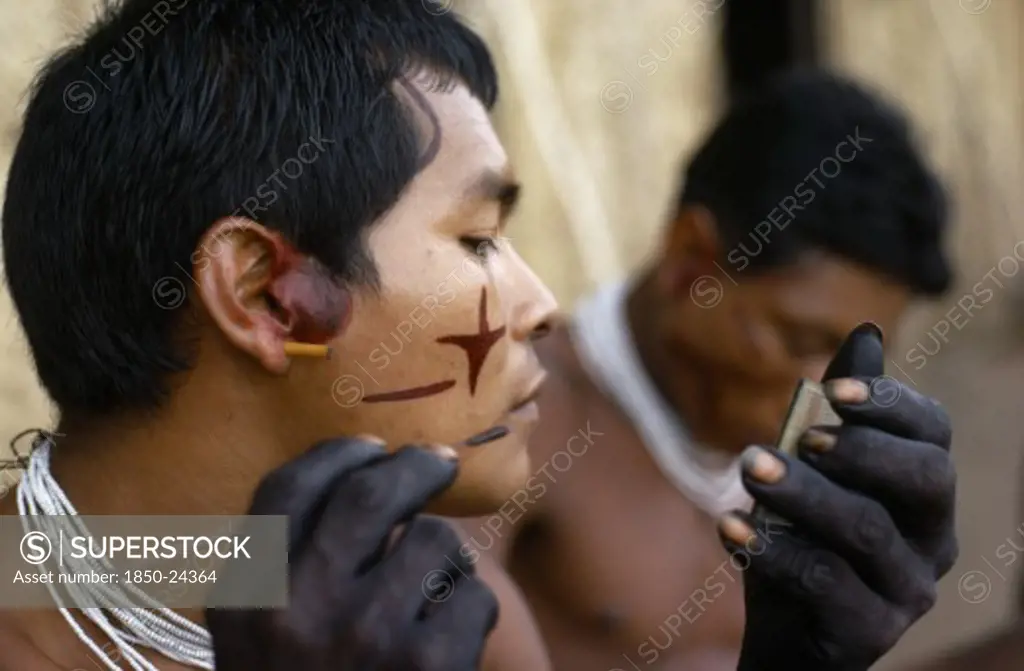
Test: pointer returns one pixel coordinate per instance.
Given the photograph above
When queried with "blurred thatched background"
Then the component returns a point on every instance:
(597, 137)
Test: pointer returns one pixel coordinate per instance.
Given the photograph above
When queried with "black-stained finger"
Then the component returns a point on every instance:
(855, 527)
(944, 551)
(303, 486)
(817, 584)
(860, 355)
(234, 639)
(422, 570)
(915, 481)
(781, 558)
(367, 504)
(455, 636)
(352, 531)
(893, 407)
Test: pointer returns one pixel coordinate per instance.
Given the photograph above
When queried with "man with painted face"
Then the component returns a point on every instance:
(807, 211)
(324, 172)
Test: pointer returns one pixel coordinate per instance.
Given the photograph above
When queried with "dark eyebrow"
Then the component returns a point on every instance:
(498, 188)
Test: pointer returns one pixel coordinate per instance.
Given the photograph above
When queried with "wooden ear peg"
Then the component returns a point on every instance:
(307, 349)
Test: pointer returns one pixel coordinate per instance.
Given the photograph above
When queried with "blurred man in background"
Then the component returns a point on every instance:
(809, 209)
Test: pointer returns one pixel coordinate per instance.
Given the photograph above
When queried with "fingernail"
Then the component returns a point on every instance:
(763, 466)
(369, 438)
(872, 326)
(444, 452)
(818, 441)
(847, 390)
(735, 529)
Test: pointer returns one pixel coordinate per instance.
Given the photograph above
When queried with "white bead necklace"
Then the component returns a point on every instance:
(158, 628)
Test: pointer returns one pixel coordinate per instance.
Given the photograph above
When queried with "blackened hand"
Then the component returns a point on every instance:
(872, 532)
(358, 601)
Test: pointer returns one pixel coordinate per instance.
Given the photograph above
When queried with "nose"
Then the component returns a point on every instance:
(533, 307)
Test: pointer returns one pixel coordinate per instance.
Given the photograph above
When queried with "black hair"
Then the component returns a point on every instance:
(814, 161)
(167, 116)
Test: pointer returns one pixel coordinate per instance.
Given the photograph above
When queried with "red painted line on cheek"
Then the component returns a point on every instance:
(410, 394)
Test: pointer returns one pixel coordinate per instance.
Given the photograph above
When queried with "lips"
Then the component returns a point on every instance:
(523, 403)
(522, 413)
(531, 396)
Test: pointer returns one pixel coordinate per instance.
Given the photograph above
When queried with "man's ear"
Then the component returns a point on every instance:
(261, 293)
(690, 249)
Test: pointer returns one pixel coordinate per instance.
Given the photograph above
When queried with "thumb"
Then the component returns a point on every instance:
(860, 355)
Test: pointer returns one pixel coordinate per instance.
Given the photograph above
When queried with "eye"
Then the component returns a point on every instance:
(480, 247)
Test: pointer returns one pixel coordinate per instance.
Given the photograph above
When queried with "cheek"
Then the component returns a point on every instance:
(410, 423)
(725, 337)
(430, 356)
(760, 411)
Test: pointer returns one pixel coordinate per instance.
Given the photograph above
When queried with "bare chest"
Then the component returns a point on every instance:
(626, 569)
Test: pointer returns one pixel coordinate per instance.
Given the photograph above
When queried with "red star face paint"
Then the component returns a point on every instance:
(476, 345)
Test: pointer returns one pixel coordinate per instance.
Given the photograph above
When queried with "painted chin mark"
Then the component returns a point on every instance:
(477, 345)
(410, 394)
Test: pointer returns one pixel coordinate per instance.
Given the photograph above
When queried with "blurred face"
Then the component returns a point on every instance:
(442, 351)
(752, 337)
